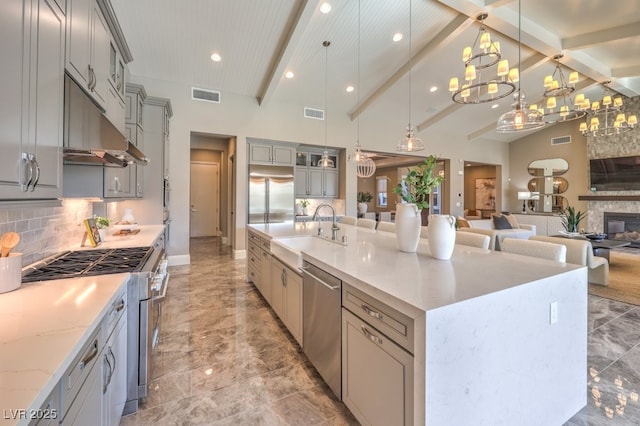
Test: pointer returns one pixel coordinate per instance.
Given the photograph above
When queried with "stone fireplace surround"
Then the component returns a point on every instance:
(623, 145)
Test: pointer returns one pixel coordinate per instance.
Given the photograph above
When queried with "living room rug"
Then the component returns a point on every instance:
(624, 277)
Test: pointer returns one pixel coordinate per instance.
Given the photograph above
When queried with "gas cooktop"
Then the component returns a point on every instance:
(88, 263)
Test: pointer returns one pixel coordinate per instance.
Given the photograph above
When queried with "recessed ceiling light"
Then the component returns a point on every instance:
(289, 74)
(325, 8)
(397, 37)
(494, 106)
(350, 89)
(215, 57)
(433, 89)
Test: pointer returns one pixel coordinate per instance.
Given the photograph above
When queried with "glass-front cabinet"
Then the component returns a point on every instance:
(311, 179)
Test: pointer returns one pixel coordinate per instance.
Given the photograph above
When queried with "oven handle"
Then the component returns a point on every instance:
(165, 285)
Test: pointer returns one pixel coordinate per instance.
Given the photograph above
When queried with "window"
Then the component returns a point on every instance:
(381, 191)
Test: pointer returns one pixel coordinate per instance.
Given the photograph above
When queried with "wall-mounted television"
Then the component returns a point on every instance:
(615, 174)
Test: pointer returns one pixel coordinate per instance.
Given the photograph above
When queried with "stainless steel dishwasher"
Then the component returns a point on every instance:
(322, 327)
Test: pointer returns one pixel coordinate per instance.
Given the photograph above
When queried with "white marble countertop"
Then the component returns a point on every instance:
(146, 237)
(43, 326)
(413, 282)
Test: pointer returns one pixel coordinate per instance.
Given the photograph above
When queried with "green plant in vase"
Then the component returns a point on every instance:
(363, 199)
(102, 222)
(571, 219)
(416, 186)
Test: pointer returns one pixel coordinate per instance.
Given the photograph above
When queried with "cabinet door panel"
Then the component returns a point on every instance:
(377, 375)
(88, 405)
(330, 183)
(12, 70)
(78, 56)
(316, 178)
(265, 275)
(293, 304)
(47, 86)
(100, 52)
(278, 288)
(301, 182)
(283, 156)
(118, 182)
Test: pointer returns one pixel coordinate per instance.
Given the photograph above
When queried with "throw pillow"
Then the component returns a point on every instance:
(513, 221)
(501, 222)
(462, 222)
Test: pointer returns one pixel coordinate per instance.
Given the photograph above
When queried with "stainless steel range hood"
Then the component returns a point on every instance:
(89, 137)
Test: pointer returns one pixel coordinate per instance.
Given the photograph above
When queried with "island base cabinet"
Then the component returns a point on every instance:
(87, 408)
(286, 297)
(377, 375)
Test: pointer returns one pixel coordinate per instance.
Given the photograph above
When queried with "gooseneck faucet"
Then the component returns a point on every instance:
(334, 227)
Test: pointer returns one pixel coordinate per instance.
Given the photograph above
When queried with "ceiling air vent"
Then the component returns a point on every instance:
(205, 95)
(560, 140)
(316, 114)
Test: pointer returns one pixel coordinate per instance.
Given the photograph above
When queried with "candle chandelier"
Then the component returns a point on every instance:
(605, 117)
(481, 56)
(558, 91)
(365, 167)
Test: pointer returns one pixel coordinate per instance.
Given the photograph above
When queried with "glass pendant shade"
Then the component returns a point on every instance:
(410, 143)
(520, 118)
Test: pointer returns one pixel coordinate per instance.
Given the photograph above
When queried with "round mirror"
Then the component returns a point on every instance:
(548, 167)
(548, 185)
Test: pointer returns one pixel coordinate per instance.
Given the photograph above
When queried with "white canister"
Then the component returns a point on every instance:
(408, 223)
(441, 235)
(128, 216)
(10, 272)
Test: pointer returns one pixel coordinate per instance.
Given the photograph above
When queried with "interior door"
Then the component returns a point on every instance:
(205, 199)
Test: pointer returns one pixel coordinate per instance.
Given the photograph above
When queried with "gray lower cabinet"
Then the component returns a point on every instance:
(286, 297)
(377, 375)
(88, 405)
(31, 118)
(115, 374)
(265, 274)
(259, 265)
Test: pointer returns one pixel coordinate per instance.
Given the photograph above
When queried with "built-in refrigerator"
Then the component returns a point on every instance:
(271, 194)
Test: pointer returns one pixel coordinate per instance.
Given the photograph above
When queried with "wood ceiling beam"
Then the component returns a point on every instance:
(603, 36)
(300, 17)
(449, 32)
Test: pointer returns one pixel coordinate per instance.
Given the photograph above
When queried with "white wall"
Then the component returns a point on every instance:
(242, 117)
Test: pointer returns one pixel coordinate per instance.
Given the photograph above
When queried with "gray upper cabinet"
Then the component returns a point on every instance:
(32, 88)
(134, 101)
(313, 181)
(271, 154)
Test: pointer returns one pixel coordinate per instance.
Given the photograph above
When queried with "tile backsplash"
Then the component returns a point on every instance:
(45, 231)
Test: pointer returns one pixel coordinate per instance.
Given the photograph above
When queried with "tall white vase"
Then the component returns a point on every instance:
(408, 223)
(441, 235)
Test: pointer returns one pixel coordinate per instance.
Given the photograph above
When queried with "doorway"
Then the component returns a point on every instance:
(205, 199)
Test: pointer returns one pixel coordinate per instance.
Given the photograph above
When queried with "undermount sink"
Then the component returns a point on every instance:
(289, 250)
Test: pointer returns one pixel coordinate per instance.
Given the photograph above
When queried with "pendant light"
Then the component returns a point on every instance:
(326, 162)
(520, 118)
(365, 166)
(410, 143)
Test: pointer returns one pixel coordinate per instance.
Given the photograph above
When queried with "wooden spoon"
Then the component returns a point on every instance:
(9, 241)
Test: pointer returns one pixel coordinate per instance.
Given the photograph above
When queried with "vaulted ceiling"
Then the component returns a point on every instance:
(259, 40)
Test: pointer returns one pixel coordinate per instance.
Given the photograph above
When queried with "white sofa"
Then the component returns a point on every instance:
(486, 227)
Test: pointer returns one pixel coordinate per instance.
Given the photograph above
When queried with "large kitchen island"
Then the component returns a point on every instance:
(486, 338)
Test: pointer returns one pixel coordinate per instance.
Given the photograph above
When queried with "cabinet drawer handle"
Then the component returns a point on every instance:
(370, 336)
(91, 356)
(120, 305)
(371, 312)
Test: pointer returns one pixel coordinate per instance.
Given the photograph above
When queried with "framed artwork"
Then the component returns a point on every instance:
(486, 193)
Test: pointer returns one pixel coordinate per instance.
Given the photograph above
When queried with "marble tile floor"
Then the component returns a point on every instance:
(224, 358)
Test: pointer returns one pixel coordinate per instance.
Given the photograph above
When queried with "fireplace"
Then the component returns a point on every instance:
(623, 227)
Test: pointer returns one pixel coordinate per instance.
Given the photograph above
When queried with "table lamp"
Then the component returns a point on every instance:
(524, 196)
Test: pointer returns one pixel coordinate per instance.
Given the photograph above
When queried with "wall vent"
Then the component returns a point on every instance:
(205, 95)
(316, 114)
(560, 140)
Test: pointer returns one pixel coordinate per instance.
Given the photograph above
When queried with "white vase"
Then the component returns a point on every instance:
(441, 235)
(408, 223)
(362, 208)
(103, 234)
